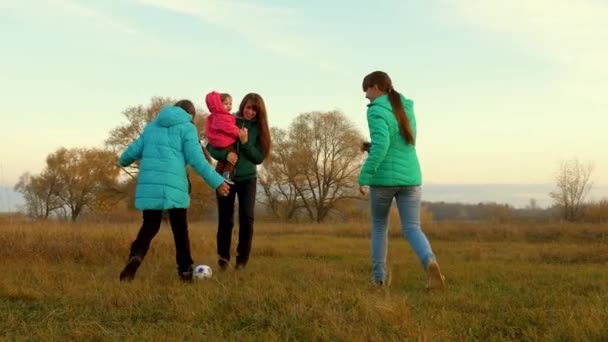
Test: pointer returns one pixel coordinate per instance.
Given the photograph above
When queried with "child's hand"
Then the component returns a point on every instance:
(243, 135)
(363, 191)
(223, 189)
(232, 158)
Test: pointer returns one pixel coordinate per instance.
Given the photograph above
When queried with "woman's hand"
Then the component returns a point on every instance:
(363, 191)
(232, 158)
(223, 189)
(243, 135)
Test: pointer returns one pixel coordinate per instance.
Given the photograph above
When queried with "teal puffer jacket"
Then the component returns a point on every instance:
(165, 147)
(391, 161)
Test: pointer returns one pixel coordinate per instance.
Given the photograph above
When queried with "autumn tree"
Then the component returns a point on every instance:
(278, 177)
(40, 194)
(329, 156)
(137, 118)
(313, 166)
(84, 176)
(72, 180)
(573, 183)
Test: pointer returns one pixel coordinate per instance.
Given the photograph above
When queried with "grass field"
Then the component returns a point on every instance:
(307, 282)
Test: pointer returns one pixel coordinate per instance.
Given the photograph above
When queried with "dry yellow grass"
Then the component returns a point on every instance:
(306, 282)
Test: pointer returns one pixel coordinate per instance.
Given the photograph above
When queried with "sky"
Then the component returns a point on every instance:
(503, 91)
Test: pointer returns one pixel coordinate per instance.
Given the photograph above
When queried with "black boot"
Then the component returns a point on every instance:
(128, 273)
(185, 276)
(223, 263)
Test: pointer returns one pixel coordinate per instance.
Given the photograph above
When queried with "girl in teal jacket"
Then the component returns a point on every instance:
(392, 171)
(164, 148)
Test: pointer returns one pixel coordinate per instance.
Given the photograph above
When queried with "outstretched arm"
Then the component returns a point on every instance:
(132, 153)
(194, 157)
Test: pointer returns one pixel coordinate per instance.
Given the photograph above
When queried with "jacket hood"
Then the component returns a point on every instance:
(385, 103)
(214, 103)
(172, 115)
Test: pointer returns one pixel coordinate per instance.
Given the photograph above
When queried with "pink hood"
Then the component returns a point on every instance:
(221, 125)
(214, 103)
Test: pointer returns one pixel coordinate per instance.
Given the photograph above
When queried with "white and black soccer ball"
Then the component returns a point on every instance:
(202, 272)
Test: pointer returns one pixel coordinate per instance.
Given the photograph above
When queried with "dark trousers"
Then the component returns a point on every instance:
(245, 190)
(179, 225)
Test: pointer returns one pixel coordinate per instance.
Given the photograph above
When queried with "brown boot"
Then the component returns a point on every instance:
(436, 279)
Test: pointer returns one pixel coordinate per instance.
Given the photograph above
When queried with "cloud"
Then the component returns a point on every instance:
(570, 33)
(277, 29)
(83, 11)
(112, 31)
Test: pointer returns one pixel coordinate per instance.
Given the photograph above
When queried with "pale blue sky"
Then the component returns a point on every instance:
(503, 90)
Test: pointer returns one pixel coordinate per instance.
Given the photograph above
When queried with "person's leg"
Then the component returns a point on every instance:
(179, 226)
(408, 203)
(246, 192)
(229, 167)
(225, 211)
(139, 247)
(220, 165)
(381, 199)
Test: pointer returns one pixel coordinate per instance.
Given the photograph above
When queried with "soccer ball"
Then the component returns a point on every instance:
(202, 272)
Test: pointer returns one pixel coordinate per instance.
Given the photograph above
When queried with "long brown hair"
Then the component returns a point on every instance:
(385, 85)
(186, 105)
(257, 102)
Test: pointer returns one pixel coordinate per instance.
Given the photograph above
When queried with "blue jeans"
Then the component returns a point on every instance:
(408, 205)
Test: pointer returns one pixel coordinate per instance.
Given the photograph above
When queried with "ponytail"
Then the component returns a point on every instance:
(399, 110)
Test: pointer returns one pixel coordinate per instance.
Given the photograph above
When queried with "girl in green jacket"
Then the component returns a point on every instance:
(392, 171)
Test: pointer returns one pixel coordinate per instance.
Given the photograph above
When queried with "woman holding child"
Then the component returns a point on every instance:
(237, 161)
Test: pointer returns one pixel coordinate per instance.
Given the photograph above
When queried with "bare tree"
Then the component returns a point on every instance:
(314, 164)
(73, 179)
(277, 178)
(573, 183)
(329, 149)
(137, 118)
(40, 194)
(85, 177)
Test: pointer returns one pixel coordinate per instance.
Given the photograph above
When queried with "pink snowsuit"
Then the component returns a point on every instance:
(221, 127)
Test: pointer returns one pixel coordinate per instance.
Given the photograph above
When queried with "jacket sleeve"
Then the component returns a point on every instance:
(194, 156)
(132, 153)
(252, 152)
(378, 129)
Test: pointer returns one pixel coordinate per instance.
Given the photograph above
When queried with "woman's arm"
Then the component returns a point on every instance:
(194, 157)
(217, 154)
(378, 129)
(132, 153)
